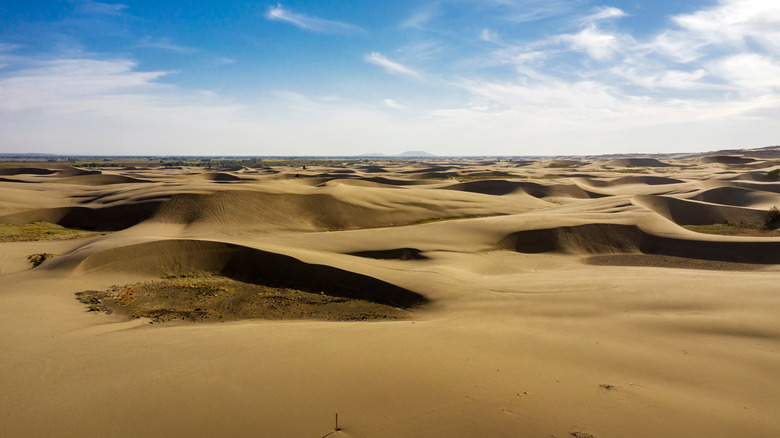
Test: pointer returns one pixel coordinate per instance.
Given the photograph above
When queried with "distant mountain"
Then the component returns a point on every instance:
(416, 154)
(407, 154)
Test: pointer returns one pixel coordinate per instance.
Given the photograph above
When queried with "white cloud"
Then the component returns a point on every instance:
(676, 46)
(731, 24)
(97, 8)
(88, 106)
(73, 85)
(104, 106)
(421, 16)
(750, 73)
(604, 13)
(597, 44)
(489, 36)
(665, 79)
(550, 94)
(4, 47)
(165, 44)
(391, 66)
(314, 24)
(394, 105)
(708, 81)
(524, 11)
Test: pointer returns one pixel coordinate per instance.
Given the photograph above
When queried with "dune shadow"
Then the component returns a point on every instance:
(249, 265)
(392, 254)
(605, 239)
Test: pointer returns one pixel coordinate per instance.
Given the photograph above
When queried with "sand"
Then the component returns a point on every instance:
(536, 298)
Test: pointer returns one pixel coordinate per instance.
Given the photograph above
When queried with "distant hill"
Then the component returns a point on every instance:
(416, 154)
(407, 154)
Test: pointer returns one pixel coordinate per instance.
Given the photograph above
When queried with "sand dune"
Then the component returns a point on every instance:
(738, 196)
(102, 219)
(339, 208)
(218, 176)
(69, 171)
(684, 212)
(503, 187)
(727, 159)
(624, 239)
(246, 264)
(648, 180)
(636, 162)
(539, 301)
(99, 180)
(26, 171)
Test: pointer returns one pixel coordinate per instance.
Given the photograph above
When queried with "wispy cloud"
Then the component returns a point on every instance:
(97, 8)
(750, 73)
(93, 106)
(736, 21)
(52, 103)
(489, 36)
(597, 43)
(165, 44)
(712, 71)
(391, 66)
(73, 85)
(5, 47)
(421, 16)
(394, 105)
(604, 13)
(524, 11)
(314, 24)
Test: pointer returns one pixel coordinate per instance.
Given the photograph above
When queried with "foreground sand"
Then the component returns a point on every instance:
(557, 301)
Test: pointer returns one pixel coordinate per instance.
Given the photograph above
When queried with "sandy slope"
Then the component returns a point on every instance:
(558, 301)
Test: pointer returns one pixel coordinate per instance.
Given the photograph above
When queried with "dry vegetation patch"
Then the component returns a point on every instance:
(203, 298)
(37, 259)
(732, 229)
(41, 231)
(770, 227)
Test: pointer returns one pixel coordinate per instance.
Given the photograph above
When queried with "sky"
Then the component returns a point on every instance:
(339, 77)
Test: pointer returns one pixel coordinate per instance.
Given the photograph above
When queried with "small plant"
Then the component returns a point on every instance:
(773, 175)
(37, 259)
(772, 218)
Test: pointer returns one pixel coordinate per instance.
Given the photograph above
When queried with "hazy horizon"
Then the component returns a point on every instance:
(452, 78)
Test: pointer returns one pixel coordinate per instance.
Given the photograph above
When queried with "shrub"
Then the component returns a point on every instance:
(37, 259)
(772, 217)
(773, 175)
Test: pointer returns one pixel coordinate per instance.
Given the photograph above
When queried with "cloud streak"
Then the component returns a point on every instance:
(392, 67)
(165, 44)
(394, 105)
(97, 8)
(313, 24)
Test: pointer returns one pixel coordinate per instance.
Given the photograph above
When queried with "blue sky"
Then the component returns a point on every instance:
(451, 77)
